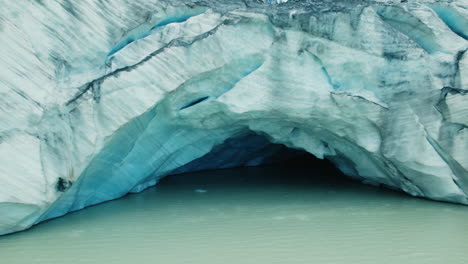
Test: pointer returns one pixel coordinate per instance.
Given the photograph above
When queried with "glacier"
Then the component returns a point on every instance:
(102, 98)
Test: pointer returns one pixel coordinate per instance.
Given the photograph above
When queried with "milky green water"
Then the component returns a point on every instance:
(251, 215)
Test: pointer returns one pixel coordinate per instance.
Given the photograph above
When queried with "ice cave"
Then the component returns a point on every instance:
(102, 98)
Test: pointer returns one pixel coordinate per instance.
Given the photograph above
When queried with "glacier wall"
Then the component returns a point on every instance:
(102, 98)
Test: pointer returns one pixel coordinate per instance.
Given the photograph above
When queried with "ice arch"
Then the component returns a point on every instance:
(94, 105)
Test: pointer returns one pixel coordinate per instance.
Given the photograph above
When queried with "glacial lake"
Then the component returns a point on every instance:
(273, 214)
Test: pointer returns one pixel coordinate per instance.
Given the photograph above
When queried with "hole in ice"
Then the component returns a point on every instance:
(143, 32)
(177, 18)
(120, 46)
(301, 170)
(194, 102)
(456, 22)
(247, 152)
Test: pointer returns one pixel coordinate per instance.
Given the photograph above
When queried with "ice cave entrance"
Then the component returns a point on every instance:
(253, 159)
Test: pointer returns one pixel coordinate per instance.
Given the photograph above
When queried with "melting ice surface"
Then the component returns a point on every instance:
(252, 215)
(102, 98)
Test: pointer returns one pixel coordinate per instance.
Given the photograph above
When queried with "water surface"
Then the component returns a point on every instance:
(274, 214)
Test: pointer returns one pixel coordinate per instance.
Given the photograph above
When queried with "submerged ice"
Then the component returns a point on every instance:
(99, 99)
